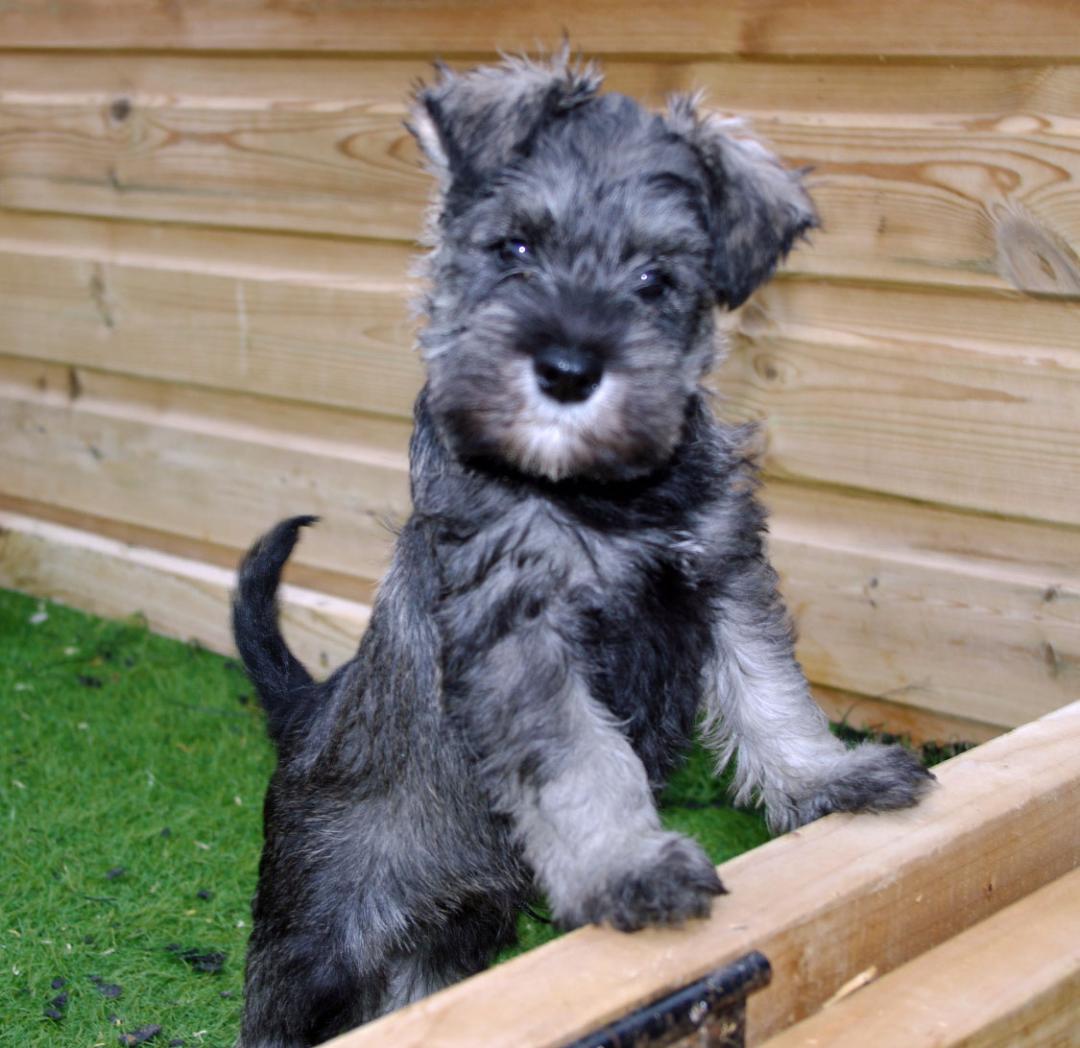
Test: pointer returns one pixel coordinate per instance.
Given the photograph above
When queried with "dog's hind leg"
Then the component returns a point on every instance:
(313, 970)
(462, 944)
(758, 705)
(300, 990)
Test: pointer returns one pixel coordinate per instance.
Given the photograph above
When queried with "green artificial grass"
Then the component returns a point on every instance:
(133, 769)
(133, 773)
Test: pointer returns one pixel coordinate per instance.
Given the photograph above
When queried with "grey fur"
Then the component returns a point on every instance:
(582, 577)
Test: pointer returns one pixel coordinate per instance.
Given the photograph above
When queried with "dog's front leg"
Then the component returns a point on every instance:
(758, 705)
(557, 763)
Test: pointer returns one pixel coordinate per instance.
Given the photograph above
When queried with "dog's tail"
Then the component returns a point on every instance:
(284, 686)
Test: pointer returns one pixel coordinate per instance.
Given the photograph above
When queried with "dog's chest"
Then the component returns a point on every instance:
(647, 641)
(632, 606)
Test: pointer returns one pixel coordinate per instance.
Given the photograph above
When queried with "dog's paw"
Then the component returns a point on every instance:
(869, 778)
(676, 882)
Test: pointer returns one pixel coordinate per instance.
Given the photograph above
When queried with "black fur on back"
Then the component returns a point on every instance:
(284, 686)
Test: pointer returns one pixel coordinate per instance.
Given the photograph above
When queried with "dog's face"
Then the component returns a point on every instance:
(582, 244)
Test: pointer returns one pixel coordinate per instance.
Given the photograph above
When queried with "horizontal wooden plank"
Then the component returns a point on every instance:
(778, 27)
(823, 904)
(335, 262)
(905, 193)
(965, 616)
(964, 400)
(952, 94)
(177, 596)
(347, 169)
(206, 466)
(928, 203)
(1012, 979)
(915, 724)
(962, 616)
(334, 583)
(316, 321)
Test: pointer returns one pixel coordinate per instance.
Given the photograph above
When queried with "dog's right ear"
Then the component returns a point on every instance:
(471, 125)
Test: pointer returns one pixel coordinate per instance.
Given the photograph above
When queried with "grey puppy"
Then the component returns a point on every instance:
(581, 583)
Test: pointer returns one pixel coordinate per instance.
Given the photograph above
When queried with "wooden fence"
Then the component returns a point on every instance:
(207, 210)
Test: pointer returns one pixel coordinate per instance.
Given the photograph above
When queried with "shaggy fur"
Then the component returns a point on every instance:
(581, 582)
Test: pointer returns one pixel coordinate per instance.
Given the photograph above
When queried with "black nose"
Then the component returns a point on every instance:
(567, 374)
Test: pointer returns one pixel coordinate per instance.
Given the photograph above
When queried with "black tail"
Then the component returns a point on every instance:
(284, 686)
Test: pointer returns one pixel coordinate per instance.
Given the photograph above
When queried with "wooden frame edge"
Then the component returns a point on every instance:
(177, 596)
(1012, 979)
(823, 904)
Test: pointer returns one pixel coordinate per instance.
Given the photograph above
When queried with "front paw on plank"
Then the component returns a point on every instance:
(675, 883)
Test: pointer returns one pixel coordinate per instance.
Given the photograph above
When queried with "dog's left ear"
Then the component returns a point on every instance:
(758, 207)
(471, 125)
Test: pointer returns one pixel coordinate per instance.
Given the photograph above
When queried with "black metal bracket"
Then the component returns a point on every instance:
(709, 1013)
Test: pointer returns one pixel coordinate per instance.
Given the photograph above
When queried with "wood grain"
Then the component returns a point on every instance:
(925, 28)
(968, 401)
(964, 616)
(1012, 979)
(334, 583)
(946, 94)
(912, 723)
(207, 467)
(176, 596)
(905, 193)
(823, 904)
(320, 322)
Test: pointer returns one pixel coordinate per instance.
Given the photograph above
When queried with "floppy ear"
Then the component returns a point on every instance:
(759, 208)
(471, 125)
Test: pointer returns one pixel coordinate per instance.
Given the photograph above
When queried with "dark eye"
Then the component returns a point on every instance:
(651, 284)
(514, 250)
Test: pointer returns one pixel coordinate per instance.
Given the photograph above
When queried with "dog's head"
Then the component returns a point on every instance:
(581, 245)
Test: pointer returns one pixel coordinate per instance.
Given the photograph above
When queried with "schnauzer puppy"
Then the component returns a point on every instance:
(582, 581)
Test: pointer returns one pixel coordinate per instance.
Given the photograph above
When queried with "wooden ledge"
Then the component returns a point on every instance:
(823, 904)
(1013, 979)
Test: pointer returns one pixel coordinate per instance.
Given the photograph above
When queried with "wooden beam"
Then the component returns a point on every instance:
(177, 597)
(887, 91)
(949, 612)
(224, 318)
(206, 466)
(333, 583)
(915, 724)
(906, 191)
(823, 904)
(936, 31)
(1013, 979)
(965, 400)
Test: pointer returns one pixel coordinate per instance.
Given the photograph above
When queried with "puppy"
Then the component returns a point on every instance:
(582, 581)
